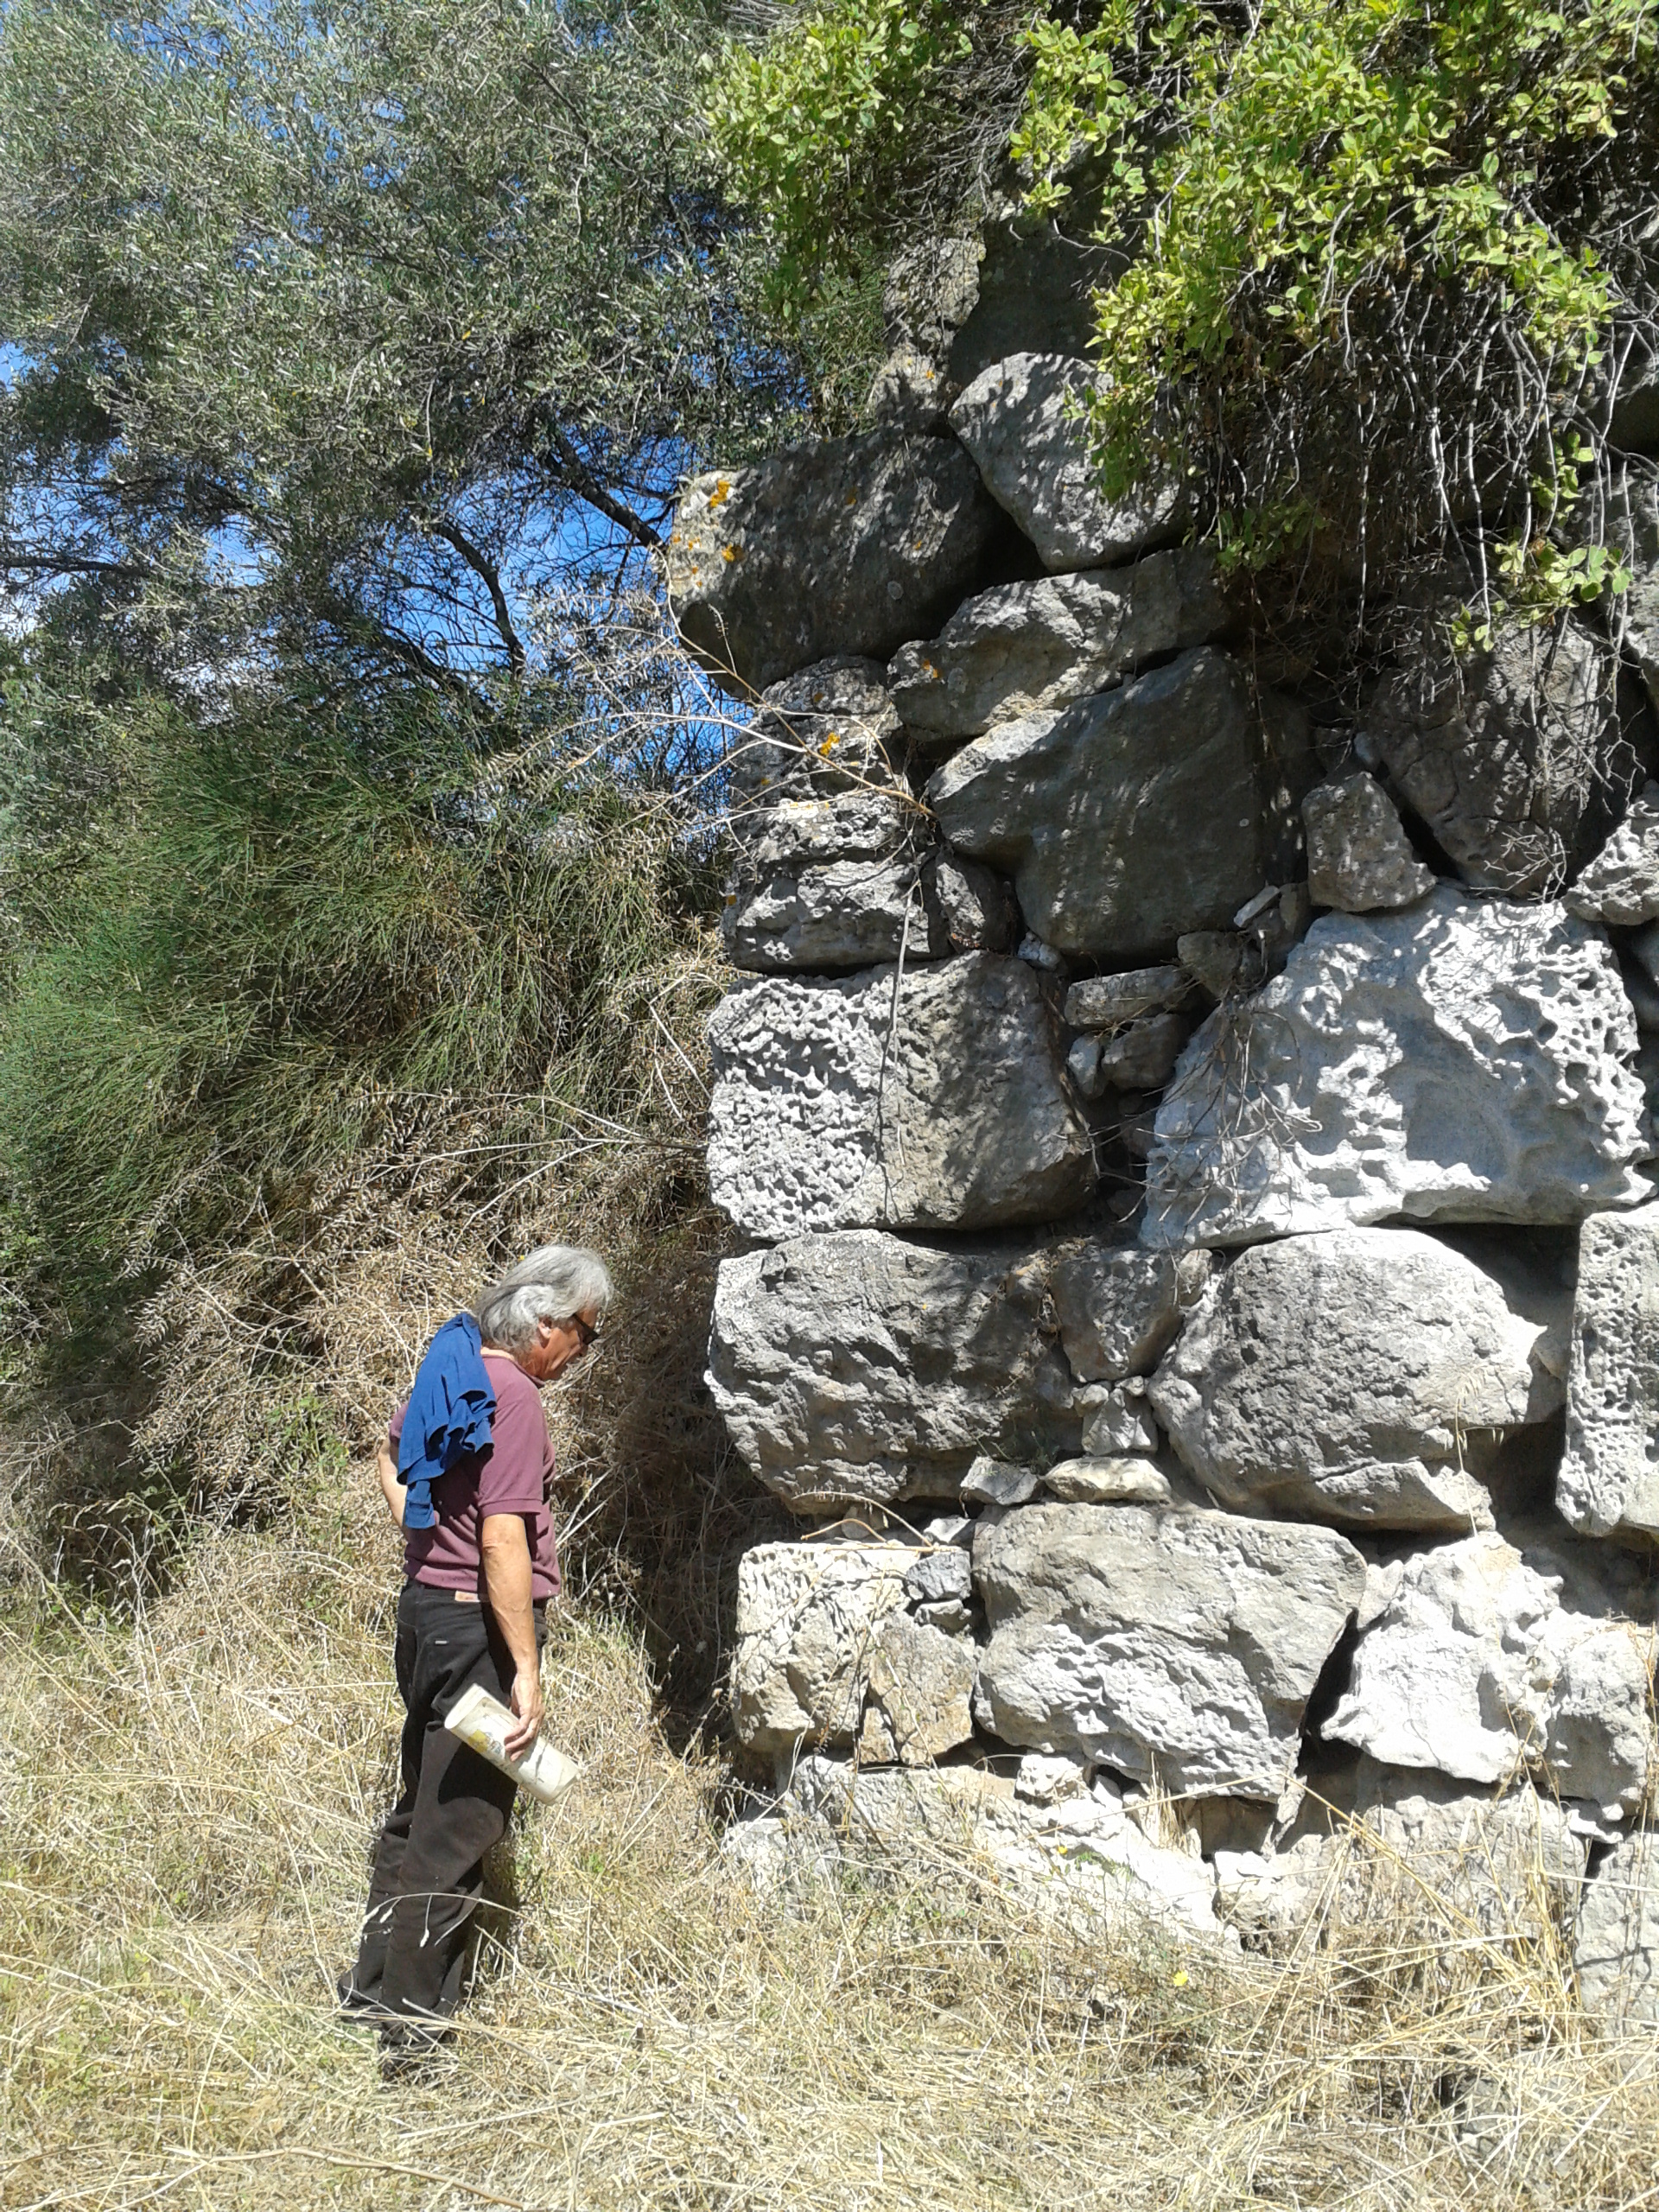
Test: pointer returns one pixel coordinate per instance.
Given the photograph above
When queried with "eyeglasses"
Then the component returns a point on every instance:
(589, 1329)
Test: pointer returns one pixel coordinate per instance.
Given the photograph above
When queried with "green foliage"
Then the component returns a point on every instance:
(346, 334)
(1365, 281)
(285, 941)
(819, 125)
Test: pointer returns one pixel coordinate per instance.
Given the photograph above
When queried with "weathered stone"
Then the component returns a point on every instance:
(1413, 1852)
(1110, 1001)
(1164, 1641)
(1021, 420)
(1033, 648)
(920, 1684)
(1132, 817)
(1462, 1061)
(950, 1616)
(1621, 885)
(1515, 757)
(869, 1367)
(999, 1481)
(1230, 963)
(1143, 1056)
(1036, 281)
(805, 1615)
(1363, 1375)
(943, 1572)
(973, 908)
(931, 1097)
(909, 392)
(1609, 1480)
(1082, 1065)
(1042, 1781)
(1080, 1858)
(1358, 855)
(1473, 1667)
(1036, 953)
(1121, 1423)
(1217, 959)
(1113, 1480)
(928, 293)
(823, 884)
(828, 883)
(1617, 1952)
(831, 729)
(851, 545)
(1119, 1309)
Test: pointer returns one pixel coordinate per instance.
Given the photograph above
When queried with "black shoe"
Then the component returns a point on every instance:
(413, 2054)
(356, 2009)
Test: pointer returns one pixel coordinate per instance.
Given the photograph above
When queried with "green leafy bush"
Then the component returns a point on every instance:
(1374, 243)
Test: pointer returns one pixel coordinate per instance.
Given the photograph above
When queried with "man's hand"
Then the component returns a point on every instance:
(527, 1706)
(506, 1548)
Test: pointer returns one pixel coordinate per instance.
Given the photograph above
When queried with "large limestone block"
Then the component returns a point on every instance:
(1020, 419)
(1515, 758)
(1364, 1375)
(1609, 1480)
(806, 1619)
(1616, 1953)
(829, 728)
(851, 545)
(1034, 648)
(1413, 1853)
(1463, 1060)
(1358, 855)
(1167, 1642)
(1621, 885)
(869, 1367)
(827, 883)
(820, 884)
(931, 1098)
(1472, 1666)
(1119, 1309)
(1132, 817)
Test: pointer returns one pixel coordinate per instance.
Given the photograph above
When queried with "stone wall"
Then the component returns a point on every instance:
(1202, 1298)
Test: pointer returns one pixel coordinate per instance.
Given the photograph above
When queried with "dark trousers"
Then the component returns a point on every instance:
(429, 1867)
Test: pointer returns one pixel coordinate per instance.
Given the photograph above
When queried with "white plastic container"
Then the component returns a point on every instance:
(482, 1721)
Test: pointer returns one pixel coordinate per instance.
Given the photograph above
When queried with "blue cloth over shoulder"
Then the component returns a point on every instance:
(449, 1415)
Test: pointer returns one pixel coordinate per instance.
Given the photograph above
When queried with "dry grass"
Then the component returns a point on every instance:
(188, 1802)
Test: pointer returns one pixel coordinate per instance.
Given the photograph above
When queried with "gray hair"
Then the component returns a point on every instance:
(553, 1283)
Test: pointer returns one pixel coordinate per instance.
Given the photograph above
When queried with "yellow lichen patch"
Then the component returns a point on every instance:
(730, 552)
(721, 493)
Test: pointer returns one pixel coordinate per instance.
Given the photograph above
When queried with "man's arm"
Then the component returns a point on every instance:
(390, 1489)
(506, 1548)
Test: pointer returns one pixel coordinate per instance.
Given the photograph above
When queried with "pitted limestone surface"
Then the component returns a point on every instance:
(1608, 1484)
(1464, 1060)
(1472, 1665)
(1164, 1641)
(933, 1097)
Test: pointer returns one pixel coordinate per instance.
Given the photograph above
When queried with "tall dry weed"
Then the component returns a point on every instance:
(189, 1796)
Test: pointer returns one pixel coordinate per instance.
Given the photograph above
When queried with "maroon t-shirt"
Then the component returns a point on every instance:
(511, 1476)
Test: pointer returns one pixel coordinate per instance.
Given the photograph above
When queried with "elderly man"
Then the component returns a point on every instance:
(479, 1577)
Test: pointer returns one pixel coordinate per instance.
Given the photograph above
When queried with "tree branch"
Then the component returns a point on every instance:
(580, 479)
(64, 565)
(481, 567)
